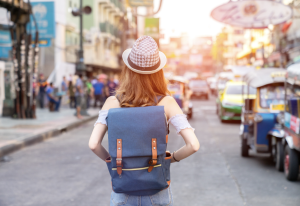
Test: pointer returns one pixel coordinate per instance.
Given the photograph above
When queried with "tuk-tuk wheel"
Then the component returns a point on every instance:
(291, 164)
(279, 156)
(244, 148)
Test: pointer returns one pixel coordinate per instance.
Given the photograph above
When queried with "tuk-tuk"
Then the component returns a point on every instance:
(291, 143)
(178, 86)
(261, 126)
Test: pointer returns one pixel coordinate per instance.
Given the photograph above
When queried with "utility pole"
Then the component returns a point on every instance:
(80, 67)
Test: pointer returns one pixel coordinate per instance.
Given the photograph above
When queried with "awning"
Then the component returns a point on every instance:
(244, 53)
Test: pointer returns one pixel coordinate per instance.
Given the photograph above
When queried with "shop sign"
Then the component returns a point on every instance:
(294, 124)
(136, 3)
(152, 28)
(5, 44)
(252, 14)
(45, 19)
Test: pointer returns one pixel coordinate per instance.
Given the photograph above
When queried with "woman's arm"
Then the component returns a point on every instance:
(96, 140)
(192, 144)
(100, 130)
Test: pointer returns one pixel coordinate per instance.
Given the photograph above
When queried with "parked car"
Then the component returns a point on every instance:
(199, 88)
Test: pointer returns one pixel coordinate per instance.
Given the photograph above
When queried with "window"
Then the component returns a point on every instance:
(271, 94)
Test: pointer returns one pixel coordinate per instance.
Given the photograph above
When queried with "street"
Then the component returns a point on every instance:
(63, 171)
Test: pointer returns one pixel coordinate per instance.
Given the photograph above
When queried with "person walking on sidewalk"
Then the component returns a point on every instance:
(142, 82)
(79, 95)
(72, 95)
(42, 83)
(98, 90)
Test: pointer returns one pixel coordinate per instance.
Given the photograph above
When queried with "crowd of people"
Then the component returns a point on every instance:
(76, 92)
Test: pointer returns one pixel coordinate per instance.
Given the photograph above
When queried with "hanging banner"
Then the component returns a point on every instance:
(252, 14)
(136, 3)
(45, 19)
(5, 44)
(152, 28)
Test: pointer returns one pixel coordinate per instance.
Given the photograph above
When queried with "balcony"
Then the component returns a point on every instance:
(108, 28)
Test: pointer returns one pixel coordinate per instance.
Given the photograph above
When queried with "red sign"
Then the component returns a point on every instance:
(294, 124)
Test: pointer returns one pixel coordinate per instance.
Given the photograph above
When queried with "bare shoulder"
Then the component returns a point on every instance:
(167, 101)
(171, 106)
(111, 102)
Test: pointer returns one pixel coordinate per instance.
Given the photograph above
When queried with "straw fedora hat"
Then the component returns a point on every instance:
(144, 57)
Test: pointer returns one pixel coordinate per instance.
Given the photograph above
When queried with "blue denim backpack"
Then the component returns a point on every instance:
(137, 139)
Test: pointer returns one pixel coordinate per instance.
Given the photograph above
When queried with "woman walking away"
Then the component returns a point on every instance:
(137, 122)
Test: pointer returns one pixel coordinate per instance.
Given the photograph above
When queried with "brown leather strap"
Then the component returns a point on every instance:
(119, 156)
(167, 139)
(154, 155)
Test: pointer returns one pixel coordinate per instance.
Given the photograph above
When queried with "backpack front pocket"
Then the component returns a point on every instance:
(136, 178)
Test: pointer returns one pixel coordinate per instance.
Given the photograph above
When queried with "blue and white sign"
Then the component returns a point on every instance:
(5, 37)
(5, 52)
(45, 18)
(5, 44)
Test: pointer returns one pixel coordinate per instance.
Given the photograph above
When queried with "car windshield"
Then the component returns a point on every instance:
(198, 83)
(237, 89)
(271, 95)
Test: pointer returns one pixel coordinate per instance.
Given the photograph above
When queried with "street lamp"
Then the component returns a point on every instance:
(80, 67)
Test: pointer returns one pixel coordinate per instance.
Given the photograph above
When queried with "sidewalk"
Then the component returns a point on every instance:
(18, 133)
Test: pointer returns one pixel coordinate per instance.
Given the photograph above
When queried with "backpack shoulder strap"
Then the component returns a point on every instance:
(158, 99)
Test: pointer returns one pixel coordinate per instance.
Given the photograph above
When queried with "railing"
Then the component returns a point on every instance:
(107, 27)
(118, 4)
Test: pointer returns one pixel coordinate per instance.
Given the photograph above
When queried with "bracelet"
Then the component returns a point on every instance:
(175, 158)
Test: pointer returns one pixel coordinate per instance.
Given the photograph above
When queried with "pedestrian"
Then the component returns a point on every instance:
(79, 94)
(105, 93)
(71, 91)
(112, 86)
(51, 97)
(98, 90)
(64, 85)
(89, 92)
(142, 84)
(42, 84)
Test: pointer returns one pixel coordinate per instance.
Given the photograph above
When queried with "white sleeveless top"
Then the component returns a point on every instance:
(179, 121)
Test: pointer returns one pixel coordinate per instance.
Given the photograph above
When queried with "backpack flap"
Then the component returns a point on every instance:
(137, 127)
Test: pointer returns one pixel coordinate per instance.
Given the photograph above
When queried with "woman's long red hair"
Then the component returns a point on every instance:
(139, 90)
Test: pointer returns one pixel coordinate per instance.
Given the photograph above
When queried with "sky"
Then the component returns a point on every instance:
(191, 16)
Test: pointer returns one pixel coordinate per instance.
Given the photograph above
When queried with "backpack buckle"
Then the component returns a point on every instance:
(119, 159)
(151, 161)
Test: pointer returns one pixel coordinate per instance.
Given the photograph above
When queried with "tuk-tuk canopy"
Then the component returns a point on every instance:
(293, 72)
(264, 77)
